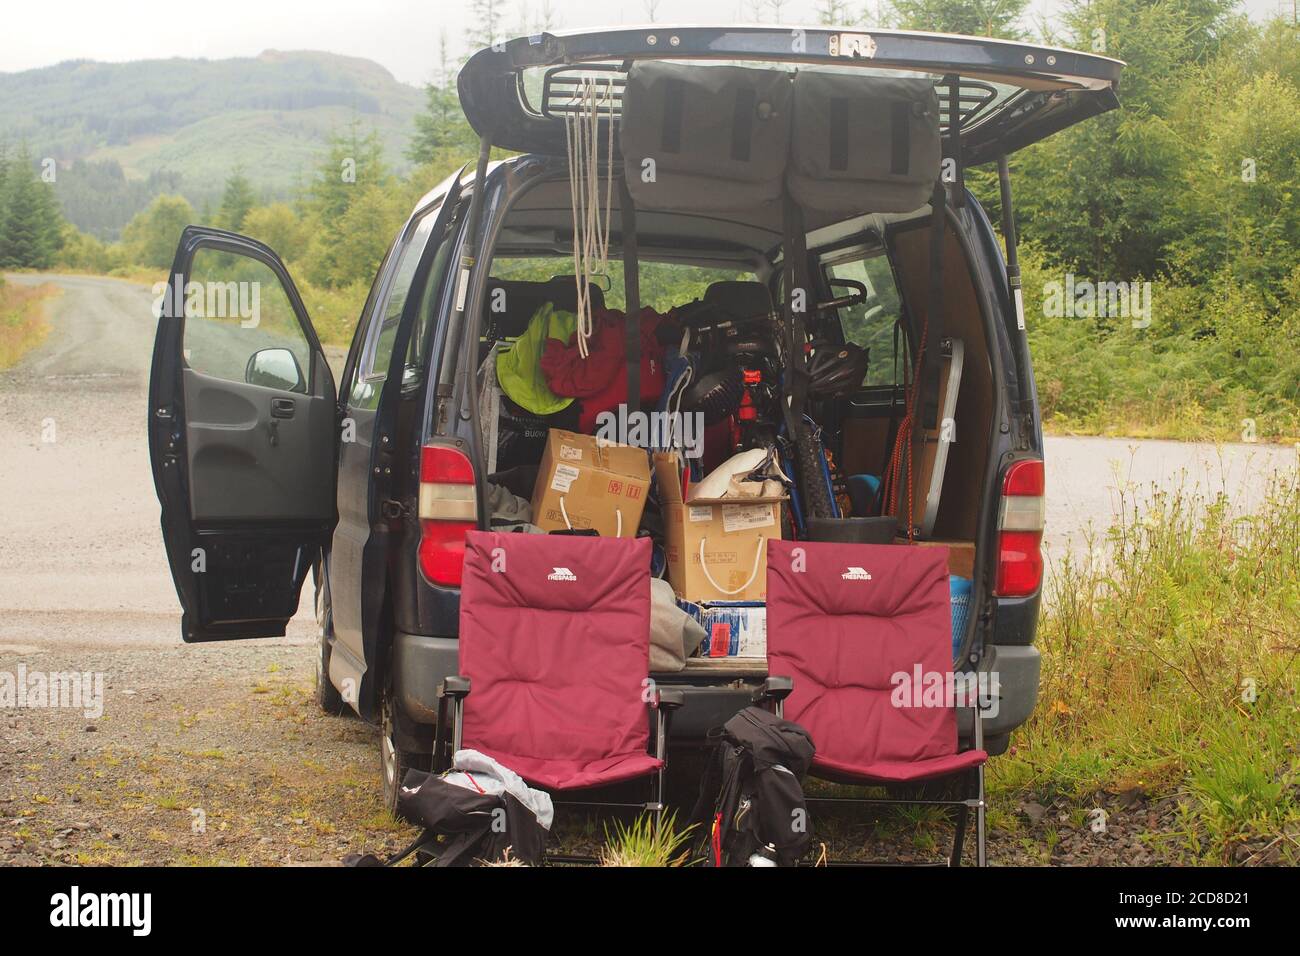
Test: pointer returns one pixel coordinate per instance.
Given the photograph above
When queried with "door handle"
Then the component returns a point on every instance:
(282, 407)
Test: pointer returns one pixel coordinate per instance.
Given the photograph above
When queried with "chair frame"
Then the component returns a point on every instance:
(665, 702)
(773, 693)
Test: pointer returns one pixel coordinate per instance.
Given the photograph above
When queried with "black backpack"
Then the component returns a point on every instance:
(751, 796)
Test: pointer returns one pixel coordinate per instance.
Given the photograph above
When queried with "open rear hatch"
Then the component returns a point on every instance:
(1003, 95)
(696, 122)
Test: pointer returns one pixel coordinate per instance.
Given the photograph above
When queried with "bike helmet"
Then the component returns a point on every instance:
(716, 394)
(836, 369)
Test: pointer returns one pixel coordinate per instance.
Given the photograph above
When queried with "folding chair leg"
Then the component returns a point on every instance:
(447, 740)
(661, 752)
(981, 854)
(959, 838)
(440, 738)
(659, 802)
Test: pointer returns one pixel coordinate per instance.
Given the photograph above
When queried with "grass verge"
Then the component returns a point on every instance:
(23, 324)
(1170, 672)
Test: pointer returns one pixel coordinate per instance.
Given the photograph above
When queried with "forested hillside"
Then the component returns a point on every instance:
(121, 133)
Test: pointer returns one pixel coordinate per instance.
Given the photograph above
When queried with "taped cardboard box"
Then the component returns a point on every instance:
(586, 483)
(731, 628)
(717, 547)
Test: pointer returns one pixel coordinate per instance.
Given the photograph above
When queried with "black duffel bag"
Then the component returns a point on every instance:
(462, 826)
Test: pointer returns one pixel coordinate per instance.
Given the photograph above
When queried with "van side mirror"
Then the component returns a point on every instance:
(275, 368)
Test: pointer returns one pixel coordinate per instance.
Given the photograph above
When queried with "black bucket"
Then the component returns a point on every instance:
(853, 530)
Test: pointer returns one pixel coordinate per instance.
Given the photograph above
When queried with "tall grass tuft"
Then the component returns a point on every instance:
(640, 843)
(1170, 666)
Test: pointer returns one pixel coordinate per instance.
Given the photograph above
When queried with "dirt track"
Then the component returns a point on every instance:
(229, 729)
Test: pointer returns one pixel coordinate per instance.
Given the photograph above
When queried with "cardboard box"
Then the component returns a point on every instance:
(732, 534)
(591, 481)
(731, 628)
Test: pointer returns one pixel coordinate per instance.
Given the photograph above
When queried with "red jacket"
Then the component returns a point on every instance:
(600, 380)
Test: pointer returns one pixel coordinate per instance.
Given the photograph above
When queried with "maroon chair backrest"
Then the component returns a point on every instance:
(844, 620)
(555, 639)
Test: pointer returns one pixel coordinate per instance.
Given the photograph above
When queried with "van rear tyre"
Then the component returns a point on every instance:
(393, 760)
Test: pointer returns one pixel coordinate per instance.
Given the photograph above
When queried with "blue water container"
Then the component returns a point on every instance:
(959, 591)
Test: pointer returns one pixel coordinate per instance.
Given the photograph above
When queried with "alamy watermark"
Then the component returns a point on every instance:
(133, 911)
(946, 689)
(663, 430)
(1077, 298)
(71, 690)
(210, 300)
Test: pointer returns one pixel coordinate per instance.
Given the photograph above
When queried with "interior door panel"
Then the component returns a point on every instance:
(248, 462)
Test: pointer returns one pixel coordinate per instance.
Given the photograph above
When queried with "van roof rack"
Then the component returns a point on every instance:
(1009, 94)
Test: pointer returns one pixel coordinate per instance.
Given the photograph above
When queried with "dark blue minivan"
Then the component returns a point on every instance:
(806, 185)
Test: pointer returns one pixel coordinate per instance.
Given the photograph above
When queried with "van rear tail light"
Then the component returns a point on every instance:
(1020, 530)
(448, 509)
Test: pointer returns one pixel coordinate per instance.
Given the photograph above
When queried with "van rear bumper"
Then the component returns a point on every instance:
(1016, 667)
(420, 662)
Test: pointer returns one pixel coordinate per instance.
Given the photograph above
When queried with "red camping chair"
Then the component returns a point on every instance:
(555, 643)
(844, 621)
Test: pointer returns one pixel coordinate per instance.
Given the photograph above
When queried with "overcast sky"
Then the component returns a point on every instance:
(401, 34)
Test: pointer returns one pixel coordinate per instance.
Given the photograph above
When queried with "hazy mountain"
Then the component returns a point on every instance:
(183, 124)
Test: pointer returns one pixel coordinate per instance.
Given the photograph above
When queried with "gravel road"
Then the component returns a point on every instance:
(1090, 479)
(226, 729)
(229, 729)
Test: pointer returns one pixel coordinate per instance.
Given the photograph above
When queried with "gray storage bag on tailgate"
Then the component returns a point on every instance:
(863, 144)
(718, 135)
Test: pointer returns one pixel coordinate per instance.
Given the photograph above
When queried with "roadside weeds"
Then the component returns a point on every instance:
(1170, 681)
(23, 319)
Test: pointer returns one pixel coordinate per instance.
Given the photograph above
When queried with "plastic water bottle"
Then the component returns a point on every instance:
(765, 856)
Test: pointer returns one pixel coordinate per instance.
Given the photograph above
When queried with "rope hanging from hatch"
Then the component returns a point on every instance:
(590, 224)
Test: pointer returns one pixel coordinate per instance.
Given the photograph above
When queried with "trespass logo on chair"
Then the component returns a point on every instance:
(561, 574)
(856, 574)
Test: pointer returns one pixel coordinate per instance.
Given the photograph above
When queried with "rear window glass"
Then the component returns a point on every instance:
(871, 322)
(663, 284)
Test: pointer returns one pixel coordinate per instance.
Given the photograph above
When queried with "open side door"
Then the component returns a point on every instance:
(242, 431)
